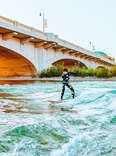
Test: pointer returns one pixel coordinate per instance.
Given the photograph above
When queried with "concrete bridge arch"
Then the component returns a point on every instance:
(69, 63)
(52, 57)
(13, 64)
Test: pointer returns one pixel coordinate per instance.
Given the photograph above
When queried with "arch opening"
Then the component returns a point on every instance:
(100, 67)
(13, 64)
(70, 63)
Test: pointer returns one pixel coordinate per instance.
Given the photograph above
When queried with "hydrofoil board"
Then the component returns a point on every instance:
(59, 101)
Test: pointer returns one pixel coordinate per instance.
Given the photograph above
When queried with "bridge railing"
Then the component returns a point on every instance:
(6, 20)
(84, 51)
(20, 25)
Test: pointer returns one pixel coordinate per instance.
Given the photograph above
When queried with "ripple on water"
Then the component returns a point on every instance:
(31, 126)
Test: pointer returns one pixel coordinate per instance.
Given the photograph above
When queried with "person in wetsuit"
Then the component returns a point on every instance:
(66, 78)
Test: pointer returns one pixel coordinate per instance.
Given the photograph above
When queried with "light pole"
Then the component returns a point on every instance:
(92, 45)
(42, 13)
(43, 21)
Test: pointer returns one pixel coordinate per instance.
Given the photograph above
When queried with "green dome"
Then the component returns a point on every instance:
(100, 52)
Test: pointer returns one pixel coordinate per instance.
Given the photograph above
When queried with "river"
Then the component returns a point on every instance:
(31, 126)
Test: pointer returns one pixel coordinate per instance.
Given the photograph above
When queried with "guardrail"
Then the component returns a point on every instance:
(20, 25)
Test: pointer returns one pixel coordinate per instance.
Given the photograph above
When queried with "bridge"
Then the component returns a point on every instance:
(24, 51)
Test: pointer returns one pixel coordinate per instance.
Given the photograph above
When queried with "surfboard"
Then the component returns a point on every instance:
(59, 101)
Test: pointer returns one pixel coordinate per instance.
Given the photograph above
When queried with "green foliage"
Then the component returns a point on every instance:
(98, 72)
(102, 72)
(52, 71)
(113, 71)
(82, 72)
(73, 69)
(90, 72)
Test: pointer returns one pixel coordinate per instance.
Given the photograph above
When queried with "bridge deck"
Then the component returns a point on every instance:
(35, 36)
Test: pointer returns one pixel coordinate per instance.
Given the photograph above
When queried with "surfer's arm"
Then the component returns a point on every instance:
(73, 73)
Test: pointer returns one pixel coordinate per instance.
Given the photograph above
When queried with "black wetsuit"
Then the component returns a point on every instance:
(66, 78)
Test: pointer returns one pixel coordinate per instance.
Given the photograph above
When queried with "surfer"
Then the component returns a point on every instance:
(66, 77)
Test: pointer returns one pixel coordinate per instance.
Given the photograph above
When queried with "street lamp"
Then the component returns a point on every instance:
(42, 13)
(92, 45)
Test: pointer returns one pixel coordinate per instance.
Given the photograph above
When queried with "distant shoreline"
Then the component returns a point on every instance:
(58, 79)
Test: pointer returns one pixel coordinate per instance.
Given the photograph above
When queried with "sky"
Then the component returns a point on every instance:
(77, 21)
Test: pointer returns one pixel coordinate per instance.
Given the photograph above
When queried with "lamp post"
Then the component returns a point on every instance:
(92, 45)
(42, 13)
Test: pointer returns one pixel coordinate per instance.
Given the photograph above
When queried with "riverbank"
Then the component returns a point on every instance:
(58, 79)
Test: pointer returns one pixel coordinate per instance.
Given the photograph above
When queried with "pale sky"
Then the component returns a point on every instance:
(77, 21)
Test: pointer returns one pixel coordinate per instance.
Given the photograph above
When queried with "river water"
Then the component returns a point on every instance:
(31, 126)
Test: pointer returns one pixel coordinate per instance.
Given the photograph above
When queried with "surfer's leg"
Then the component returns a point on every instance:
(72, 90)
(62, 93)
